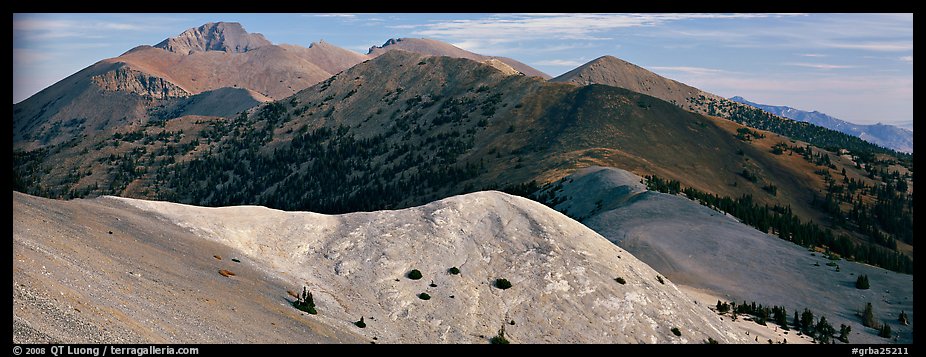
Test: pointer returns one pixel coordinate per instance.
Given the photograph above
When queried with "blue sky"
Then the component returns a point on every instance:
(857, 67)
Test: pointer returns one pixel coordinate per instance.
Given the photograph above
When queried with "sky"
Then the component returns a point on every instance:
(856, 67)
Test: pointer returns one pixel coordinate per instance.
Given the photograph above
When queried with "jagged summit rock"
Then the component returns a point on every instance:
(388, 42)
(214, 36)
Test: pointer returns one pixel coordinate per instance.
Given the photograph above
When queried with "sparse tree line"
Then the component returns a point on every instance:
(816, 135)
(327, 169)
(783, 222)
(821, 330)
(888, 218)
(883, 211)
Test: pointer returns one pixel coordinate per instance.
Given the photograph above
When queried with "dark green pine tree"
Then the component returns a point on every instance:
(885, 331)
(781, 317)
(844, 332)
(862, 282)
(807, 321)
(868, 317)
(824, 330)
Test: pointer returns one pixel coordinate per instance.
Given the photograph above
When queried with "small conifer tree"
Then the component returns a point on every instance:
(868, 317)
(862, 282)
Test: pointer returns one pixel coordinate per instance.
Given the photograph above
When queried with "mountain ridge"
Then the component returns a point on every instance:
(889, 136)
(123, 90)
(609, 70)
(613, 71)
(438, 48)
(522, 119)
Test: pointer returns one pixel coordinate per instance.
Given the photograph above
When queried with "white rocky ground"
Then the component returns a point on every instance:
(710, 251)
(355, 264)
(562, 272)
(95, 271)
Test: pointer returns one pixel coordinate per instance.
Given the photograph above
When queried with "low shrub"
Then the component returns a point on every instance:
(502, 284)
(414, 274)
(499, 339)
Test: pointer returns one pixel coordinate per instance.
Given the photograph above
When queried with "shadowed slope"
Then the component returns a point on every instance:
(702, 248)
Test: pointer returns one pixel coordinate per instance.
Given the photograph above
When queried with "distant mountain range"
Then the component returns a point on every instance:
(889, 136)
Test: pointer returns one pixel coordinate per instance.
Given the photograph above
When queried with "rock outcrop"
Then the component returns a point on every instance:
(125, 79)
(220, 36)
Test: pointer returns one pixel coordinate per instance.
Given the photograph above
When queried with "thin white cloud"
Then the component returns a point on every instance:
(504, 47)
(560, 63)
(28, 55)
(811, 55)
(72, 25)
(477, 46)
(343, 16)
(504, 34)
(908, 59)
(825, 66)
(514, 27)
(119, 26)
(40, 29)
(891, 46)
(554, 47)
(82, 45)
(697, 71)
(403, 27)
(815, 35)
(39, 24)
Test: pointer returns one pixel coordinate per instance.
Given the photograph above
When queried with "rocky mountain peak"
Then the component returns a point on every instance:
(388, 42)
(319, 43)
(218, 36)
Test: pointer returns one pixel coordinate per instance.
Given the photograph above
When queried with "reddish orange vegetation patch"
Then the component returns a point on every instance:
(292, 293)
(219, 257)
(226, 273)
